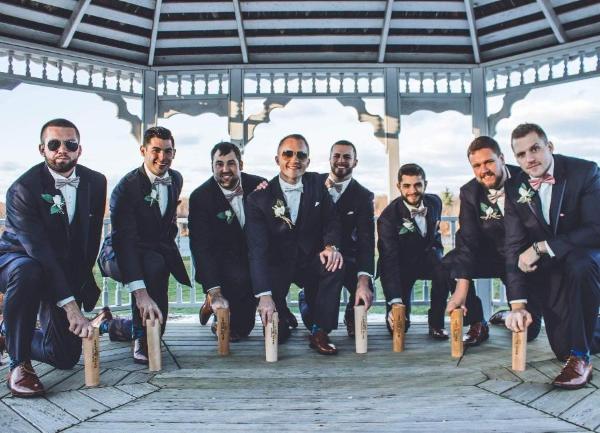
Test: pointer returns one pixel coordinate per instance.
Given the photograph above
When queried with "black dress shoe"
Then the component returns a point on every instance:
(349, 322)
(498, 317)
(438, 333)
(477, 334)
(140, 351)
(283, 333)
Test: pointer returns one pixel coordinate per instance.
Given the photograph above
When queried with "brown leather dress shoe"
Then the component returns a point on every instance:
(104, 315)
(205, 311)
(320, 342)
(438, 333)
(2, 346)
(477, 334)
(24, 382)
(349, 322)
(140, 351)
(498, 317)
(575, 374)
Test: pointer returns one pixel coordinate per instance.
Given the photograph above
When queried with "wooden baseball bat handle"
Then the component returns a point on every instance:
(223, 330)
(91, 359)
(360, 328)
(519, 350)
(399, 318)
(271, 338)
(154, 352)
(456, 338)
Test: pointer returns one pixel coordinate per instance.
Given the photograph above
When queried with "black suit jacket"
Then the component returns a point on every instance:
(272, 243)
(218, 244)
(138, 225)
(355, 208)
(401, 255)
(574, 219)
(31, 230)
(480, 236)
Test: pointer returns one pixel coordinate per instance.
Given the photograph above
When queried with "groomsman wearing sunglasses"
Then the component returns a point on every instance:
(217, 241)
(553, 250)
(54, 214)
(410, 248)
(141, 251)
(293, 234)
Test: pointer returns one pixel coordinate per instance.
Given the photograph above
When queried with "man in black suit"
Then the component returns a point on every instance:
(354, 204)
(293, 231)
(54, 216)
(553, 250)
(410, 248)
(217, 241)
(141, 251)
(479, 251)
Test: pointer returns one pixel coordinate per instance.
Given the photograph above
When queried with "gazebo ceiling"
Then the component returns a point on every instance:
(184, 32)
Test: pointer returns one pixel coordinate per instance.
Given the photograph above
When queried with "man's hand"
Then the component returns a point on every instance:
(263, 185)
(459, 297)
(363, 293)
(78, 324)
(147, 306)
(331, 258)
(217, 300)
(266, 308)
(518, 319)
(454, 304)
(528, 260)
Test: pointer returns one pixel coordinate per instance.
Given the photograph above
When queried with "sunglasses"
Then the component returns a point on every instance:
(300, 154)
(54, 144)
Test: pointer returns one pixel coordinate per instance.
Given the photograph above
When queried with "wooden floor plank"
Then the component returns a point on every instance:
(77, 404)
(586, 413)
(41, 413)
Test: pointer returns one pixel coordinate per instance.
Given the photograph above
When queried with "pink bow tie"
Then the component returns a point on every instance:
(238, 191)
(536, 182)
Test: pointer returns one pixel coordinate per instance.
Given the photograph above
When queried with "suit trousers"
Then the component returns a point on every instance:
(22, 281)
(242, 305)
(350, 281)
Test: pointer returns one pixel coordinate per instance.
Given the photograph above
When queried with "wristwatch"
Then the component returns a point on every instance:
(333, 247)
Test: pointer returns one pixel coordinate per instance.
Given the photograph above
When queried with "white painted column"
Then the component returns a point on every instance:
(235, 110)
(392, 129)
(149, 100)
(479, 114)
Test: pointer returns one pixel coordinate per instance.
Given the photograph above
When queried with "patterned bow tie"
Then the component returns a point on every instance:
(63, 181)
(329, 183)
(536, 182)
(237, 192)
(298, 187)
(167, 181)
(495, 194)
(418, 212)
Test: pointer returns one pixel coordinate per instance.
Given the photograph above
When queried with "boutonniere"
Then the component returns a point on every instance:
(407, 226)
(526, 194)
(279, 211)
(57, 203)
(226, 215)
(489, 212)
(152, 197)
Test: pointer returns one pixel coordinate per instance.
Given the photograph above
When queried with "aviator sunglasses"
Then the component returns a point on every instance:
(289, 154)
(54, 144)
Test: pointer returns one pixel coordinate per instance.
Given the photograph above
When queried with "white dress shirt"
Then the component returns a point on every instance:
(292, 198)
(237, 204)
(420, 220)
(333, 192)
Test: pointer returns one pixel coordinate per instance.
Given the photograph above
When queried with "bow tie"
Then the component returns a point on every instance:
(167, 181)
(63, 181)
(237, 192)
(418, 212)
(495, 194)
(337, 186)
(536, 182)
(298, 187)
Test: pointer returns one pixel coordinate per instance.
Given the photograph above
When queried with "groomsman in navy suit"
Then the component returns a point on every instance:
(553, 250)
(141, 251)
(54, 214)
(410, 248)
(355, 206)
(479, 251)
(294, 234)
(216, 229)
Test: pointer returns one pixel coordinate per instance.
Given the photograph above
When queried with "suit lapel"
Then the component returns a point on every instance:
(429, 218)
(558, 192)
(535, 205)
(83, 208)
(146, 188)
(49, 188)
(405, 214)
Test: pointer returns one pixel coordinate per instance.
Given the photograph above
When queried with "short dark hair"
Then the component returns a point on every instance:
(526, 128)
(159, 132)
(295, 137)
(411, 170)
(224, 147)
(484, 142)
(343, 143)
(60, 123)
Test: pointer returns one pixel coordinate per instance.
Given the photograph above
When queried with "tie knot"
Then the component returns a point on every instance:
(330, 183)
(495, 194)
(298, 187)
(60, 182)
(536, 182)
(163, 181)
(418, 212)
(238, 191)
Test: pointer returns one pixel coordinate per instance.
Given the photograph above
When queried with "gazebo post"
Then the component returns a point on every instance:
(235, 107)
(149, 99)
(392, 128)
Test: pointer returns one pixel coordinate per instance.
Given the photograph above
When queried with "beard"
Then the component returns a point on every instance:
(61, 166)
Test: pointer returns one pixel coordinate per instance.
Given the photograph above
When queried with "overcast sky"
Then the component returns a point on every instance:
(570, 113)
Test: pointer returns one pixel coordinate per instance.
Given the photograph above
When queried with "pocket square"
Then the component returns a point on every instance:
(317, 204)
(350, 212)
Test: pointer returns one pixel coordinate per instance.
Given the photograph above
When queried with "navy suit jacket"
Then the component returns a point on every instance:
(401, 255)
(355, 208)
(574, 219)
(138, 225)
(218, 244)
(32, 231)
(272, 244)
(480, 236)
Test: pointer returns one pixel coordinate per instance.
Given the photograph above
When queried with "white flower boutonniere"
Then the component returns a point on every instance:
(57, 202)
(526, 194)
(226, 215)
(152, 197)
(407, 226)
(279, 211)
(489, 212)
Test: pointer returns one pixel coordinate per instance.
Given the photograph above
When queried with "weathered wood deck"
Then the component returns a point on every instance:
(418, 390)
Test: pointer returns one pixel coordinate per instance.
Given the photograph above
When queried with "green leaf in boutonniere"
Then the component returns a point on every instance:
(525, 194)
(407, 226)
(152, 197)
(57, 203)
(489, 212)
(280, 211)
(226, 215)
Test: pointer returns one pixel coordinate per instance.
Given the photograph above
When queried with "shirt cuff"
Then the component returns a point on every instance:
(364, 273)
(518, 301)
(267, 293)
(65, 301)
(135, 285)
(213, 288)
(395, 301)
(549, 250)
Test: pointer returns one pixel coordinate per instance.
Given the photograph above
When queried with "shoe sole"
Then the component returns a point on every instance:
(28, 395)
(477, 343)
(139, 361)
(312, 346)
(572, 387)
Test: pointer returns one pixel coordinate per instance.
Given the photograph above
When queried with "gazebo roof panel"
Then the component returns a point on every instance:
(518, 46)
(518, 30)
(578, 14)
(112, 34)
(116, 15)
(119, 53)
